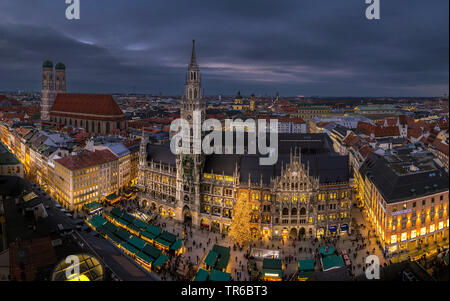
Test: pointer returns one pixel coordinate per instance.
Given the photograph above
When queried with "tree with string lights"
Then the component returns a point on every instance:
(240, 226)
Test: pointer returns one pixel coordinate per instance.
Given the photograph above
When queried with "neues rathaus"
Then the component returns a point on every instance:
(306, 193)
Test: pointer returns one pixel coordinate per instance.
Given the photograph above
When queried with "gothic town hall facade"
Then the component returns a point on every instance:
(305, 194)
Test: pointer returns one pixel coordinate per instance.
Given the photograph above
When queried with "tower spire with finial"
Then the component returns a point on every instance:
(193, 56)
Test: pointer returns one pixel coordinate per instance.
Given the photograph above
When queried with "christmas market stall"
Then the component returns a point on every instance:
(272, 270)
(305, 269)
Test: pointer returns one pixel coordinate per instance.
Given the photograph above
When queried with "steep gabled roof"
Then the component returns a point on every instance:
(94, 104)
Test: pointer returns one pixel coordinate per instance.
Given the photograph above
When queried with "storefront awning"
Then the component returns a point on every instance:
(344, 228)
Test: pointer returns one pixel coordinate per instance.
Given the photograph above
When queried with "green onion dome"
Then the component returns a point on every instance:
(60, 66)
(47, 64)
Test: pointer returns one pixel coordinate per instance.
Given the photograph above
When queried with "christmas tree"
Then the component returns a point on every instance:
(240, 226)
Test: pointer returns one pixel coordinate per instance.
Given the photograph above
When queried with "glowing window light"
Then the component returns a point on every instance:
(423, 231)
(432, 228)
(394, 239)
(413, 234)
(404, 237)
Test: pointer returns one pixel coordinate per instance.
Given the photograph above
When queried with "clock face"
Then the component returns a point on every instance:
(189, 117)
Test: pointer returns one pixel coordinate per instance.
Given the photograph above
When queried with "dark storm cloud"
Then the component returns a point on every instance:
(304, 47)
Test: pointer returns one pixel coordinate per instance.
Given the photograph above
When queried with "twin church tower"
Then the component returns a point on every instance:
(51, 86)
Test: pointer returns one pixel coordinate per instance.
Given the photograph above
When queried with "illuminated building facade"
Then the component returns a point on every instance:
(306, 193)
(84, 178)
(405, 195)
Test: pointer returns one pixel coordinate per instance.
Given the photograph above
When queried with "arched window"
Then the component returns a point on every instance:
(76, 122)
(195, 93)
(98, 127)
(92, 126)
(303, 211)
(294, 211)
(118, 125)
(285, 211)
(190, 93)
(107, 127)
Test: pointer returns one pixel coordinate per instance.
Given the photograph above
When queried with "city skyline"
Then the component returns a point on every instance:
(264, 48)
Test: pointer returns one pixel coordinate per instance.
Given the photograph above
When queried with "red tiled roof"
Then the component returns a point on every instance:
(129, 143)
(378, 131)
(443, 148)
(86, 159)
(414, 132)
(391, 121)
(93, 104)
(366, 151)
(322, 124)
(291, 119)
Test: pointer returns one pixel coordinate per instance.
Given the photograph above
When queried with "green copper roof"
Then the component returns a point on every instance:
(47, 64)
(60, 66)
(202, 275)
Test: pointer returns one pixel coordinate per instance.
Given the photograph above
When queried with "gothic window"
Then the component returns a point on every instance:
(195, 93)
(294, 211)
(190, 93)
(303, 211)
(285, 211)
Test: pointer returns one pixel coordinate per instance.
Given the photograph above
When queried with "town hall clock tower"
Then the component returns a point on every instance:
(190, 162)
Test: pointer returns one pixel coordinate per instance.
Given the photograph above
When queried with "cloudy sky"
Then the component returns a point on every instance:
(296, 47)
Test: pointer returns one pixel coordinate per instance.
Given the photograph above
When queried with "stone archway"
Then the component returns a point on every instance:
(303, 211)
(302, 232)
(187, 216)
(293, 233)
(144, 203)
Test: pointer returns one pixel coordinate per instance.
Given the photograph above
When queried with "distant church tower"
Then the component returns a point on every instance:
(47, 93)
(190, 166)
(252, 103)
(60, 78)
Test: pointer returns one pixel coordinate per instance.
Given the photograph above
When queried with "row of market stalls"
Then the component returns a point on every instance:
(93, 208)
(151, 234)
(152, 254)
(215, 265)
(128, 194)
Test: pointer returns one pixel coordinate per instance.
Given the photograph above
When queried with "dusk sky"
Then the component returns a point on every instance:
(296, 47)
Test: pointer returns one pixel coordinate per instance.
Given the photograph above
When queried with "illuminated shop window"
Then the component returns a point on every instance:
(404, 237)
(413, 234)
(423, 231)
(394, 239)
(432, 228)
